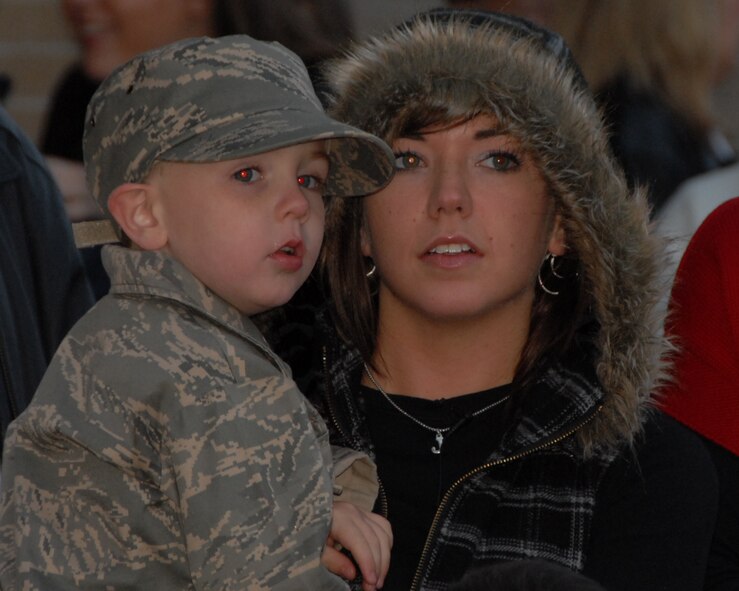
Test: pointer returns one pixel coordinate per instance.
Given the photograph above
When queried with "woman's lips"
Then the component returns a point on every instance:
(451, 252)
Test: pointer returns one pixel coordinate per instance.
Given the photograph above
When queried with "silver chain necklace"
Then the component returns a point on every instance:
(439, 432)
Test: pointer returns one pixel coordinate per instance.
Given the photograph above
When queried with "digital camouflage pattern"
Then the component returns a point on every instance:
(205, 99)
(166, 448)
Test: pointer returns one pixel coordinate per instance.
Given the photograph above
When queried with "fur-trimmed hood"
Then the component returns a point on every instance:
(525, 77)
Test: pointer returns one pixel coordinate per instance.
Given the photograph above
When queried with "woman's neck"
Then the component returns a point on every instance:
(432, 359)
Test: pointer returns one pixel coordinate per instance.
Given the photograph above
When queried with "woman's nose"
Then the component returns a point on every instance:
(449, 192)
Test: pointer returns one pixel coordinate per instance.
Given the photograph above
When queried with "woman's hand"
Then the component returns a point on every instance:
(367, 536)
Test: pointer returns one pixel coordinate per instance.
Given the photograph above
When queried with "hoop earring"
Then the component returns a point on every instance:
(551, 258)
(371, 272)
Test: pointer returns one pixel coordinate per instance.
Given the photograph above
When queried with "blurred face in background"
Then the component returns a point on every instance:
(110, 32)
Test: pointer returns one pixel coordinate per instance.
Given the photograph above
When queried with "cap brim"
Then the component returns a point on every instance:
(360, 163)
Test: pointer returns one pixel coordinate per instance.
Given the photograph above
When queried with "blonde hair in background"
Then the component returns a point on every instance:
(665, 47)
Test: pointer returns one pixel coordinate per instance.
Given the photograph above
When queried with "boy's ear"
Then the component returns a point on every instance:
(132, 206)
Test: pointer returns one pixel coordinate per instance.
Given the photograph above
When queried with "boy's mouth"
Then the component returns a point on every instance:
(292, 248)
(290, 255)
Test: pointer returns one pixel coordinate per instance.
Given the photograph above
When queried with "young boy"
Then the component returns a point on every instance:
(167, 447)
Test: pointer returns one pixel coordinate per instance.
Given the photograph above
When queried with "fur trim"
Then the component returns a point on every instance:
(541, 100)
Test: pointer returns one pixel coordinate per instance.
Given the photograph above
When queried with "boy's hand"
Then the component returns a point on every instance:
(367, 536)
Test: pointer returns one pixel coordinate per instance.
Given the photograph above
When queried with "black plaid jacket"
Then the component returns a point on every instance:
(637, 518)
(535, 496)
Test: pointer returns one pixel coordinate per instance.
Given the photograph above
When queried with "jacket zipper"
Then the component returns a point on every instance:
(461, 479)
(382, 495)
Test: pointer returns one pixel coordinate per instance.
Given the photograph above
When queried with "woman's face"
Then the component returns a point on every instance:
(461, 230)
(111, 32)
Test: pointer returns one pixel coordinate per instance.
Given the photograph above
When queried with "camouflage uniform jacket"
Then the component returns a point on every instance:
(166, 448)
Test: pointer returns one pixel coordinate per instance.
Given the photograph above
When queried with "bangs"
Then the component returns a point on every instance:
(448, 103)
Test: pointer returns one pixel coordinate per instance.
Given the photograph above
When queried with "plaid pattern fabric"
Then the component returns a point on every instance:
(535, 498)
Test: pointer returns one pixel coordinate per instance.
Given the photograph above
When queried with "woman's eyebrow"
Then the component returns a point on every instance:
(487, 133)
(479, 135)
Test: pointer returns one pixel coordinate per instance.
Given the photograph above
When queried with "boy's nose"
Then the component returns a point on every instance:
(294, 203)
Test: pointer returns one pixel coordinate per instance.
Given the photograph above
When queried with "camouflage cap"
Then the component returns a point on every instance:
(212, 99)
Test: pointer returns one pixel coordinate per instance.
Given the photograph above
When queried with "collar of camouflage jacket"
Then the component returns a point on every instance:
(153, 273)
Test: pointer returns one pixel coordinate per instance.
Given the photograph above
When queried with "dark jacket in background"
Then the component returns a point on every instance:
(656, 146)
(65, 122)
(43, 289)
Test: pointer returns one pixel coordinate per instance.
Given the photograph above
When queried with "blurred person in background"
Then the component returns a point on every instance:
(110, 32)
(704, 394)
(653, 66)
(316, 30)
(43, 289)
(699, 195)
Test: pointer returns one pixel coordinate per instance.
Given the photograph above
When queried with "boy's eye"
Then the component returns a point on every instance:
(407, 160)
(247, 175)
(308, 181)
(501, 161)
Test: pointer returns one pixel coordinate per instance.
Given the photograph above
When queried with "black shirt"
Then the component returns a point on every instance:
(407, 465)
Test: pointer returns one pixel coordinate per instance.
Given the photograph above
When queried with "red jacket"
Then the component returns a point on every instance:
(705, 322)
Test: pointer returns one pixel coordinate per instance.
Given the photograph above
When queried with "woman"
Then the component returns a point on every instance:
(493, 341)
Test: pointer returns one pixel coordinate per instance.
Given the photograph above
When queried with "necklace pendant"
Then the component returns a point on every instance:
(436, 449)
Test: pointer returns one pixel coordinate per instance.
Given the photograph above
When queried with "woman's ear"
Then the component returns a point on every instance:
(364, 242)
(558, 238)
(132, 206)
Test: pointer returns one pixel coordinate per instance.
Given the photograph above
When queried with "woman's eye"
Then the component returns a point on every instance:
(308, 181)
(407, 160)
(501, 161)
(247, 175)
